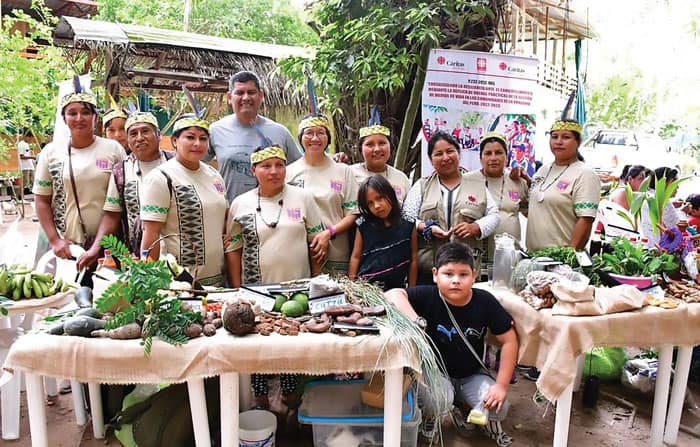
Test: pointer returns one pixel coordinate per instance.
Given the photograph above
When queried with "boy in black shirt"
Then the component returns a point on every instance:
(475, 311)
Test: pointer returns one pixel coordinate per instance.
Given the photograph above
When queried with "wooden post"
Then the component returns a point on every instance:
(535, 35)
(546, 32)
(412, 109)
(514, 27)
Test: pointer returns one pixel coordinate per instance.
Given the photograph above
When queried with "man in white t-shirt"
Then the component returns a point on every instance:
(26, 165)
(234, 137)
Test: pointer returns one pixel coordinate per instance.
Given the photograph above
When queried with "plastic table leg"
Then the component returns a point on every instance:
(37, 412)
(680, 382)
(78, 402)
(10, 392)
(393, 387)
(563, 416)
(663, 378)
(98, 419)
(229, 383)
(198, 405)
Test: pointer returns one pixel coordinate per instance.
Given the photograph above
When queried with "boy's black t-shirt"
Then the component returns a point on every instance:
(483, 311)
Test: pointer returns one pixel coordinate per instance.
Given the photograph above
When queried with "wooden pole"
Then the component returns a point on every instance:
(546, 32)
(514, 27)
(412, 109)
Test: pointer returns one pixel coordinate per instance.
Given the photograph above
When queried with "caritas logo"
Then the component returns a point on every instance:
(503, 66)
(481, 64)
(441, 60)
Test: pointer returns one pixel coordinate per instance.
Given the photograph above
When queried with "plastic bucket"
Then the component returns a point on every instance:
(256, 428)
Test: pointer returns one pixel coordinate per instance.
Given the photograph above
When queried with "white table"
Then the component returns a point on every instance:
(96, 361)
(556, 345)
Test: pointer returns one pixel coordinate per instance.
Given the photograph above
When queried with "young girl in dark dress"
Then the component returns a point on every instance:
(385, 250)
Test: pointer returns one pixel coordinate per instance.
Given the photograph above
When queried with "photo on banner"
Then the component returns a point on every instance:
(469, 93)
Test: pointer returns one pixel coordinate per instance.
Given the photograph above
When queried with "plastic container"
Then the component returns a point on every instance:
(256, 428)
(339, 417)
(640, 282)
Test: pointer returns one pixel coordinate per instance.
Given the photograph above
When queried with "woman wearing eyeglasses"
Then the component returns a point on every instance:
(334, 189)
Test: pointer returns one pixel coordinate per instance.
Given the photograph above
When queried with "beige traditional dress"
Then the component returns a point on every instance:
(92, 168)
(559, 195)
(334, 189)
(398, 179)
(191, 204)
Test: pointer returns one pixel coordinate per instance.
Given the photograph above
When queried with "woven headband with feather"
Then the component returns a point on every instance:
(114, 111)
(191, 119)
(78, 95)
(374, 126)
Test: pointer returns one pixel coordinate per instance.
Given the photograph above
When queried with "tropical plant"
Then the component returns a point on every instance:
(375, 53)
(655, 201)
(621, 103)
(632, 259)
(29, 74)
(141, 283)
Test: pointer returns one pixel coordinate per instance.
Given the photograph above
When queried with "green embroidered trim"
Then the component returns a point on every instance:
(113, 200)
(314, 230)
(43, 183)
(154, 209)
(585, 206)
(236, 238)
(350, 205)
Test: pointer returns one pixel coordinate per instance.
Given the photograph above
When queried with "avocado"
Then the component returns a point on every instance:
(292, 309)
(280, 299)
(301, 298)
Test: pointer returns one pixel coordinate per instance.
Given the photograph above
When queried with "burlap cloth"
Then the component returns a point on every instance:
(123, 361)
(553, 343)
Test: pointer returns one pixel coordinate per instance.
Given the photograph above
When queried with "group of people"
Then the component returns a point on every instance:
(273, 213)
(634, 176)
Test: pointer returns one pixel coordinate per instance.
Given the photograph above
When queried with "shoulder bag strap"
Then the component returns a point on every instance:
(75, 190)
(464, 338)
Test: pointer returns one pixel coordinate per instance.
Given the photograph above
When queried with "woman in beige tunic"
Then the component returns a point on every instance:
(510, 195)
(187, 198)
(376, 150)
(334, 189)
(269, 217)
(564, 194)
(448, 206)
(72, 177)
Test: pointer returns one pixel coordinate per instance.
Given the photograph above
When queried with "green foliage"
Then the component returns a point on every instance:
(670, 129)
(620, 103)
(29, 83)
(139, 282)
(369, 48)
(567, 255)
(632, 259)
(269, 21)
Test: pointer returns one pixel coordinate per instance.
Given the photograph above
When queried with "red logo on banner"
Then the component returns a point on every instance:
(502, 66)
(480, 64)
(441, 60)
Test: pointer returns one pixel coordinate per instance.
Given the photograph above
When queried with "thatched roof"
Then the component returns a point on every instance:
(158, 59)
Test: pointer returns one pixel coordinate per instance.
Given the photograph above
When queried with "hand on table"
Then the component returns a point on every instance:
(495, 397)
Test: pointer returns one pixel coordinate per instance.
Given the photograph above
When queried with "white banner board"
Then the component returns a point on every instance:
(469, 93)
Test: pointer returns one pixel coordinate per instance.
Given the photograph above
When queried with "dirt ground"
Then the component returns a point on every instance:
(529, 423)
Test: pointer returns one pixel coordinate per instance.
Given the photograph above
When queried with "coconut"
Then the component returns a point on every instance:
(239, 318)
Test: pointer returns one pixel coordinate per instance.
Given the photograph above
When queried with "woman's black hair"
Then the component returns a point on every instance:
(632, 171)
(385, 190)
(301, 132)
(577, 137)
(694, 200)
(669, 174)
(488, 140)
(87, 105)
(438, 136)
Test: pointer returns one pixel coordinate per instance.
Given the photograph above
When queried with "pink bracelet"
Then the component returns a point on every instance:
(332, 231)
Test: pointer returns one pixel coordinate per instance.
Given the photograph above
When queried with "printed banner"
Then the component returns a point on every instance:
(469, 93)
